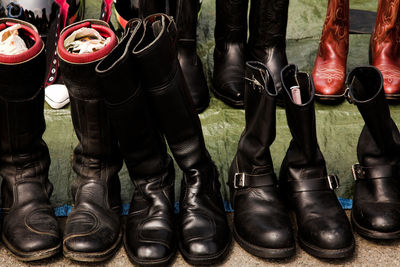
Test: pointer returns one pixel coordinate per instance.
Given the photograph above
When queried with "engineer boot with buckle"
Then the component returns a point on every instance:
(376, 203)
(261, 222)
(323, 228)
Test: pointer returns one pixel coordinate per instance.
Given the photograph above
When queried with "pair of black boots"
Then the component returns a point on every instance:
(261, 222)
(129, 99)
(266, 44)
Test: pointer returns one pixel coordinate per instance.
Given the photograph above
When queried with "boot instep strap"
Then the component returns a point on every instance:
(243, 180)
(375, 172)
(330, 182)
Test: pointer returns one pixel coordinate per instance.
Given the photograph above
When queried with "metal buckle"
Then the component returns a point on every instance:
(355, 171)
(348, 96)
(241, 176)
(333, 181)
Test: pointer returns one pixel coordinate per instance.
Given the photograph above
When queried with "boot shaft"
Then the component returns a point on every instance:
(385, 38)
(335, 31)
(142, 146)
(303, 150)
(186, 18)
(167, 92)
(260, 114)
(268, 22)
(96, 156)
(231, 21)
(379, 142)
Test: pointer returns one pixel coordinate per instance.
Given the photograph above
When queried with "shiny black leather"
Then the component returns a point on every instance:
(267, 44)
(323, 228)
(261, 222)
(30, 229)
(149, 236)
(92, 232)
(203, 229)
(192, 68)
(376, 202)
(229, 53)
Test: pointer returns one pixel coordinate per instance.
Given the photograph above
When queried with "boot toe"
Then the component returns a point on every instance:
(231, 93)
(380, 217)
(329, 234)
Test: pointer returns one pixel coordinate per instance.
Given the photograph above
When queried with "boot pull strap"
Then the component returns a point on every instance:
(330, 182)
(375, 172)
(244, 180)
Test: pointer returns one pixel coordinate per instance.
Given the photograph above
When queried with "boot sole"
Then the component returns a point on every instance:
(227, 100)
(93, 256)
(331, 99)
(206, 260)
(149, 263)
(327, 253)
(373, 234)
(262, 252)
(31, 256)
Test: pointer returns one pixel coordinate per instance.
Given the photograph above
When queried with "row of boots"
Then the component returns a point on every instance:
(127, 101)
(262, 224)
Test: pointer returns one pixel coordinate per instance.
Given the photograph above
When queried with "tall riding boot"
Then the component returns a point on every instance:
(229, 52)
(267, 41)
(203, 228)
(329, 72)
(149, 236)
(261, 223)
(92, 232)
(323, 228)
(129, 9)
(30, 229)
(376, 203)
(192, 68)
(385, 46)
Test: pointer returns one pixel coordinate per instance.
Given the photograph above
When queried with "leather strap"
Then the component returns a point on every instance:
(375, 172)
(244, 180)
(329, 182)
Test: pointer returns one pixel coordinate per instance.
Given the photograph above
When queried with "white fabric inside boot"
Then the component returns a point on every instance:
(10, 42)
(85, 40)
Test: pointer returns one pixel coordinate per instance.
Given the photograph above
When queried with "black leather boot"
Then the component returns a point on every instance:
(192, 68)
(261, 222)
(229, 53)
(150, 235)
(92, 232)
(203, 228)
(376, 202)
(323, 228)
(30, 229)
(267, 40)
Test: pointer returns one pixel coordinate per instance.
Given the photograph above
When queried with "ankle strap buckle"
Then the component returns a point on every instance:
(354, 169)
(238, 180)
(333, 181)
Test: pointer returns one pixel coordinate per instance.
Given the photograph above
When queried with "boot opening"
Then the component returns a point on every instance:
(298, 85)
(153, 33)
(365, 83)
(30, 37)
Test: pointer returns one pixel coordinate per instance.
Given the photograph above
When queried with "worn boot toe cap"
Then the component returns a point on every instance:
(381, 217)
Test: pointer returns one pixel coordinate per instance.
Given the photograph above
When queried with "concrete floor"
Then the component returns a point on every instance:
(368, 253)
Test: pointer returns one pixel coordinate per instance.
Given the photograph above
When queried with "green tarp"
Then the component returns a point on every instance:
(338, 126)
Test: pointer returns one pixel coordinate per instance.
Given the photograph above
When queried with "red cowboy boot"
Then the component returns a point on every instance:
(385, 48)
(329, 71)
